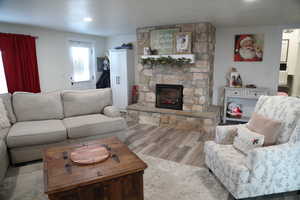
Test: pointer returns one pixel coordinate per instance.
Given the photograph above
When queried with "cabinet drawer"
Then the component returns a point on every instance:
(256, 93)
(235, 93)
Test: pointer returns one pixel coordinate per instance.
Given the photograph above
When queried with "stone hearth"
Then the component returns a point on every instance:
(196, 79)
(178, 119)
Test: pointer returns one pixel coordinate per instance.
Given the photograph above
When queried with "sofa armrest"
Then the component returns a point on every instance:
(4, 159)
(3, 133)
(111, 111)
(226, 134)
(278, 163)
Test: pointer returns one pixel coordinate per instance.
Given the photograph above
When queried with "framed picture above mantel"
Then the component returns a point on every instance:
(162, 40)
(183, 43)
(169, 41)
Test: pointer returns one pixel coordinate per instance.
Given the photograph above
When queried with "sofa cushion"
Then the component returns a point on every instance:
(36, 132)
(41, 106)
(8, 105)
(90, 125)
(83, 102)
(228, 163)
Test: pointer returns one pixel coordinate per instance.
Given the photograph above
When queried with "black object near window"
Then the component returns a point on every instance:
(169, 96)
(283, 66)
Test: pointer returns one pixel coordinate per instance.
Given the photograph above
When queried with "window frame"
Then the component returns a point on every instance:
(82, 43)
(5, 79)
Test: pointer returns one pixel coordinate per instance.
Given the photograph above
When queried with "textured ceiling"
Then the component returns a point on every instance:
(115, 17)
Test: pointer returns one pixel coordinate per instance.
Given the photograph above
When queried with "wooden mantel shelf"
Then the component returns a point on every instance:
(175, 56)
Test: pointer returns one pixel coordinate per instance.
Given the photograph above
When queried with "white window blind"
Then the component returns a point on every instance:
(3, 84)
(81, 56)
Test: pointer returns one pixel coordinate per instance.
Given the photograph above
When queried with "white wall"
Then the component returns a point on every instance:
(53, 54)
(262, 74)
(116, 41)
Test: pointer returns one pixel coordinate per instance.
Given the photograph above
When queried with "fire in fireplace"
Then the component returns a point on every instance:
(169, 96)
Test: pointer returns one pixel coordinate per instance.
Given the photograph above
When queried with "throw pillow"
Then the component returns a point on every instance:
(4, 121)
(247, 140)
(268, 127)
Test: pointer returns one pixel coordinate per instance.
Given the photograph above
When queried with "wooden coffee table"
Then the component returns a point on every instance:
(118, 178)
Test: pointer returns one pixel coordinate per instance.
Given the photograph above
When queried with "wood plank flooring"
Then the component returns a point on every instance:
(167, 143)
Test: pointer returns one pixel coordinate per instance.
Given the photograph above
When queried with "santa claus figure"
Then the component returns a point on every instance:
(246, 49)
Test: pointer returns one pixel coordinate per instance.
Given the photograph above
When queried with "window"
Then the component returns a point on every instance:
(81, 56)
(3, 84)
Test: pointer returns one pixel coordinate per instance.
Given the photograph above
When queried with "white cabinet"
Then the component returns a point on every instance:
(246, 98)
(121, 76)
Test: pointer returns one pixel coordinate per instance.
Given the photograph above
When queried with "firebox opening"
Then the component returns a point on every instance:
(169, 96)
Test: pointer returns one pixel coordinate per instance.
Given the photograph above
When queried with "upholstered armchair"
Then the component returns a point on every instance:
(264, 170)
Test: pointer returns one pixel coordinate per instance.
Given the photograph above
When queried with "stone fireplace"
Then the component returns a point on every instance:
(169, 96)
(193, 109)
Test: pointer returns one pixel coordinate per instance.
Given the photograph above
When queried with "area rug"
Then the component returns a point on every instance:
(163, 180)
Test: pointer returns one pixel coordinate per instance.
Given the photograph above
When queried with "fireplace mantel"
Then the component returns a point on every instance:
(175, 56)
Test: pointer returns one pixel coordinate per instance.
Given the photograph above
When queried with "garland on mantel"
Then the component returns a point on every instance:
(165, 61)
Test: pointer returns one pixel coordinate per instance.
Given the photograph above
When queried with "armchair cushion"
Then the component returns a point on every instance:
(111, 111)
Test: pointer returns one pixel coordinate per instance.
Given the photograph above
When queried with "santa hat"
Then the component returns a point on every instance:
(241, 40)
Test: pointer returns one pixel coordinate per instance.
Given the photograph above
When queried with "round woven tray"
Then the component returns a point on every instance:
(89, 155)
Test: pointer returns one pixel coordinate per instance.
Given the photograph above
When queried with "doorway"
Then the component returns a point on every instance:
(289, 74)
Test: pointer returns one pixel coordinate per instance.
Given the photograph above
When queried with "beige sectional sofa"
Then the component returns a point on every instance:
(49, 119)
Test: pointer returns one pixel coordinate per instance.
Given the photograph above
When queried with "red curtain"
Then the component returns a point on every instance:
(20, 62)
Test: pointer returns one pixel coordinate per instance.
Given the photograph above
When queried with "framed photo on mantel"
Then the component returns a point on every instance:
(183, 43)
(162, 40)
